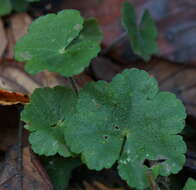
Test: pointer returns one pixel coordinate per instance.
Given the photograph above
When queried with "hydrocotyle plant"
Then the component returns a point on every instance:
(128, 121)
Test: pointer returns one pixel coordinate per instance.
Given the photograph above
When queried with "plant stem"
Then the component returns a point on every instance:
(114, 43)
(123, 146)
(152, 182)
(74, 85)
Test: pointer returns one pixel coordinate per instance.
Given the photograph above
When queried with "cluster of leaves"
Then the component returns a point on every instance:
(128, 121)
(6, 6)
(134, 122)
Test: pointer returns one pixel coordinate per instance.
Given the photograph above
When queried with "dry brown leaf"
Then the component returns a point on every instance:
(101, 186)
(176, 25)
(14, 78)
(103, 68)
(11, 98)
(19, 24)
(3, 38)
(88, 186)
(34, 176)
(11, 43)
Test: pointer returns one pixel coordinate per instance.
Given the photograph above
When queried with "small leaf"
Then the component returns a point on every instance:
(143, 36)
(59, 170)
(32, 0)
(5, 7)
(190, 184)
(19, 5)
(60, 43)
(45, 114)
(48, 142)
(131, 121)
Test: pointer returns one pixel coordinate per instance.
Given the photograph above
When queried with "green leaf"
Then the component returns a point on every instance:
(190, 184)
(32, 0)
(59, 170)
(5, 7)
(61, 43)
(19, 5)
(128, 120)
(45, 114)
(143, 36)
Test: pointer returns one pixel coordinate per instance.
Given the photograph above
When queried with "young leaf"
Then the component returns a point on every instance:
(60, 43)
(45, 114)
(5, 7)
(59, 170)
(190, 184)
(143, 36)
(128, 120)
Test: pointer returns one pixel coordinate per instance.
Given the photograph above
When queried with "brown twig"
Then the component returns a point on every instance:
(20, 156)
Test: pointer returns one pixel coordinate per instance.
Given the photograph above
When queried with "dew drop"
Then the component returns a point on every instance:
(78, 27)
(62, 51)
(26, 55)
(69, 40)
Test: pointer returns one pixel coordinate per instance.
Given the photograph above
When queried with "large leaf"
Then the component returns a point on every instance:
(53, 43)
(190, 184)
(45, 114)
(5, 7)
(143, 36)
(128, 120)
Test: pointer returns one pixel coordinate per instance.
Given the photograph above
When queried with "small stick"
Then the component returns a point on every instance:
(74, 85)
(20, 156)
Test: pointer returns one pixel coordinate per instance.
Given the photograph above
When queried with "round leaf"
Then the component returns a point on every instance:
(59, 43)
(5, 7)
(60, 169)
(190, 184)
(131, 121)
(45, 114)
(143, 36)
(19, 5)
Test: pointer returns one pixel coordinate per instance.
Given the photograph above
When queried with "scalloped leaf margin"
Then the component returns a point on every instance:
(128, 120)
(64, 43)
